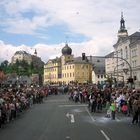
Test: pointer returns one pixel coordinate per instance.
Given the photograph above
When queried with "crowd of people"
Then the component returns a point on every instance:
(14, 101)
(122, 100)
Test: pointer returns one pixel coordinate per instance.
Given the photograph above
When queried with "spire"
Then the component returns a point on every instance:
(35, 52)
(122, 22)
(66, 43)
(122, 31)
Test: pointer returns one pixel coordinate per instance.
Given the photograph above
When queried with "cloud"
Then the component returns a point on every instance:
(87, 17)
(51, 51)
(97, 20)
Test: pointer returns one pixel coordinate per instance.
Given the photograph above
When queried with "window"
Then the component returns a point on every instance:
(135, 63)
(121, 53)
(126, 52)
(134, 52)
(98, 76)
(135, 77)
(101, 76)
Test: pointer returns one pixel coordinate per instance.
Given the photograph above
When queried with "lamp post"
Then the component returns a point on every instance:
(117, 52)
(130, 68)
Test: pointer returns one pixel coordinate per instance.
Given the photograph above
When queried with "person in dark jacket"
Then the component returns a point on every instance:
(135, 111)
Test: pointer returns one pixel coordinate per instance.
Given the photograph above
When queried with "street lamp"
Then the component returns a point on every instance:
(130, 68)
(117, 52)
(122, 64)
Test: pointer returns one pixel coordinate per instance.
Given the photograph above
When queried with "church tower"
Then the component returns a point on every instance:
(35, 53)
(66, 54)
(122, 31)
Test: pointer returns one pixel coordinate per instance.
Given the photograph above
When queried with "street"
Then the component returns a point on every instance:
(60, 119)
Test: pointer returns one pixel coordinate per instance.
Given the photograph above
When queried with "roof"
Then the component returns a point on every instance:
(21, 52)
(133, 38)
(110, 55)
(136, 34)
(78, 60)
(98, 64)
(99, 70)
(55, 60)
(66, 50)
(97, 60)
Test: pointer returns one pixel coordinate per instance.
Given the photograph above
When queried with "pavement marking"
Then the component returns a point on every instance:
(104, 134)
(67, 137)
(72, 105)
(90, 115)
(71, 116)
(117, 119)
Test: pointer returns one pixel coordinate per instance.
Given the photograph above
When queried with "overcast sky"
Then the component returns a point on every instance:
(88, 26)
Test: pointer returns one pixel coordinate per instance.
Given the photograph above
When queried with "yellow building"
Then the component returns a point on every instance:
(68, 69)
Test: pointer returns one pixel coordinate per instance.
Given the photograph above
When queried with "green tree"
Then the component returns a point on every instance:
(21, 68)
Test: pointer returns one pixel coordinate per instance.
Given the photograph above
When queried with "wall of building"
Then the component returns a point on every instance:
(51, 71)
(68, 73)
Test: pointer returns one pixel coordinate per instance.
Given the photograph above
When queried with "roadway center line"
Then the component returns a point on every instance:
(104, 134)
(90, 115)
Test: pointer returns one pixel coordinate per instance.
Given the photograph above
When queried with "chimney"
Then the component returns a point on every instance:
(83, 56)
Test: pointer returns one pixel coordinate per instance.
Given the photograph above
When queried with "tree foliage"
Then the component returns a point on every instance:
(20, 68)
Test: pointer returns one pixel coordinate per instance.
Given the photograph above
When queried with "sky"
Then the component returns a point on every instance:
(88, 26)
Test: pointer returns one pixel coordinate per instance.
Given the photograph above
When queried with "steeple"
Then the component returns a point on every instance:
(122, 22)
(122, 32)
(35, 53)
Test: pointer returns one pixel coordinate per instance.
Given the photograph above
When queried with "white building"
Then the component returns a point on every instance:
(29, 58)
(126, 63)
(20, 56)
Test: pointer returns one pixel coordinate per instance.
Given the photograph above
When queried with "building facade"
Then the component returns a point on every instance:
(20, 56)
(29, 58)
(67, 69)
(98, 72)
(126, 61)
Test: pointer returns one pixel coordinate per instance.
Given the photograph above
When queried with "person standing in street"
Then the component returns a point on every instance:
(135, 111)
(139, 110)
(0, 116)
(113, 110)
